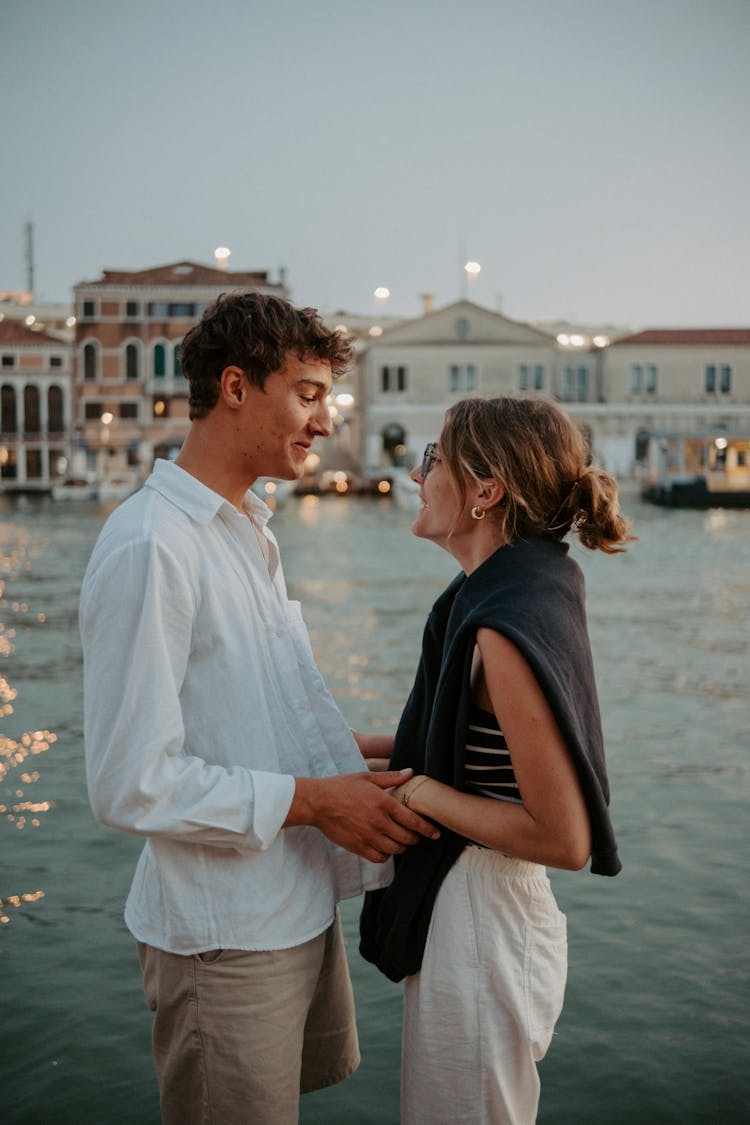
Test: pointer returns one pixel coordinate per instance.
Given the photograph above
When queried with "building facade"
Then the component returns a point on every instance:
(35, 408)
(130, 396)
(621, 392)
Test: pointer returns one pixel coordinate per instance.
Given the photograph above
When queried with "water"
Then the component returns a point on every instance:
(655, 1026)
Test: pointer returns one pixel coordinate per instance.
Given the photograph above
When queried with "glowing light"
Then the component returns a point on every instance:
(311, 462)
(375, 330)
(473, 269)
(344, 399)
(382, 293)
(563, 339)
(721, 443)
(70, 322)
(270, 487)
(601, 341)
(342, 486)
(159, 407)
(384, 486)
(222, 253)
(577, 341)
(107, 418)
(29, 320)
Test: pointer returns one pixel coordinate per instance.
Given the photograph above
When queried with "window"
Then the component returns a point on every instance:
(132, 308)
(181, 309)
(160, 360)
(89, 361)
(710, 379)
(725, 379)
(176, 369)
(651, 378)
(31, 420)
(158, 308)
(55, 361)
(128, 409)
(131, 361)
(89, 309)
(92, 411)
(531, 376)
(33, 464)
(575, 384)
(9, 361)
(462, 377)
(55, 420)
(393, 378)
(636, 378)
(8, 419)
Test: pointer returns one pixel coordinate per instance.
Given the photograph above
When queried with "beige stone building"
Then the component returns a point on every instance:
(408, 376)
(621, 391)
(130, 395)
(35, 407)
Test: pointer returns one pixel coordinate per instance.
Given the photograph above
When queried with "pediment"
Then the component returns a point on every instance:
(464, 322)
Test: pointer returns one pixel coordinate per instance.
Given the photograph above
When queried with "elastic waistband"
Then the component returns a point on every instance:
(478, 857)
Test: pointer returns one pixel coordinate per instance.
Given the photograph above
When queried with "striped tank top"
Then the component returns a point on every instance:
(488, 770)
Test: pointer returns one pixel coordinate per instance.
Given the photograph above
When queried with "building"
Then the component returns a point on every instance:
(35, 407)
(410, 374)
(130, 395)
(621, 391)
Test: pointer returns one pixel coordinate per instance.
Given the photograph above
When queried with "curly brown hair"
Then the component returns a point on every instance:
(542, 460)
(256, 332)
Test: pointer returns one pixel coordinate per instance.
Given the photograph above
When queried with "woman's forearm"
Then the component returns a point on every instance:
(501, 825)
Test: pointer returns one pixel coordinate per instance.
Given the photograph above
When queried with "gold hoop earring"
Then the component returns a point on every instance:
(478, 513)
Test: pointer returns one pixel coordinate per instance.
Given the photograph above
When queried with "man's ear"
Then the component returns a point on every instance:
(233, 386)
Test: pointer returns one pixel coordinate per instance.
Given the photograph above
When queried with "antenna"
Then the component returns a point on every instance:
(29, 247)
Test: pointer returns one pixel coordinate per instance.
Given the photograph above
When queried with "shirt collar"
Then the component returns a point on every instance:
(196, 499)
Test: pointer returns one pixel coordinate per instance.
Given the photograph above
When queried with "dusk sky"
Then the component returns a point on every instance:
(592, 155)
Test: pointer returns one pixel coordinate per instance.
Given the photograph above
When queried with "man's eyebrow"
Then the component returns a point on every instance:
(313, 383)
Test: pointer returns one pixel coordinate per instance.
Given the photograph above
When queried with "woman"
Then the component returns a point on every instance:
(503, 731)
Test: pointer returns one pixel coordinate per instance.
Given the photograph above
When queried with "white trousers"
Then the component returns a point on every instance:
(481, 1012)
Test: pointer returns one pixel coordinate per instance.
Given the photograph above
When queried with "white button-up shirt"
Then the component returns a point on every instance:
(202, 702)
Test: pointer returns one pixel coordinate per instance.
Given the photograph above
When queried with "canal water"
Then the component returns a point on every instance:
(655, 1026)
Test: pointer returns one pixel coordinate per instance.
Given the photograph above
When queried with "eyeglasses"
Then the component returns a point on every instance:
(429, 457)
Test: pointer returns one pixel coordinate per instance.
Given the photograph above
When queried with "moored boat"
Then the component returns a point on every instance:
(698, 471)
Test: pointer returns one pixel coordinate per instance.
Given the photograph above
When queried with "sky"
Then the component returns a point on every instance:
(592, 155)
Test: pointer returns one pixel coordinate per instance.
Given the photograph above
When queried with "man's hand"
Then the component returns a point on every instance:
(356, 812)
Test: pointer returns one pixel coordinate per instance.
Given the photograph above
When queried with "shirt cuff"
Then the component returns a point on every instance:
(273, 793)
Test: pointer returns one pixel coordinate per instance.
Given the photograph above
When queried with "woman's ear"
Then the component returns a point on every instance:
(489, 494)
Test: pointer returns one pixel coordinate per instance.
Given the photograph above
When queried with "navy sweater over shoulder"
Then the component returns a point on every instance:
(531, 592)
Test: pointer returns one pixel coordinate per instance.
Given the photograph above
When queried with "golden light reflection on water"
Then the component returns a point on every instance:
(17, 810)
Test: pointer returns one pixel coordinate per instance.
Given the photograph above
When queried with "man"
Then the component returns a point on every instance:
(209, 731)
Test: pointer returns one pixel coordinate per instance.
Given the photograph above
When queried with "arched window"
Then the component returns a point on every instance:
(176, 364)
(89, 360)
(8, 417)
(31, 410)
(55, 414)
(160, 360)
(131, 361)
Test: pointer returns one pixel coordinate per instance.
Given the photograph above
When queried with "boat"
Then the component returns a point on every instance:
(273, 492)
(115, 488)
(74, 488)
(404, 490)
(709, 470)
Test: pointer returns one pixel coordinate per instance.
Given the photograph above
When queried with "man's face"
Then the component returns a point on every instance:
(281, 420)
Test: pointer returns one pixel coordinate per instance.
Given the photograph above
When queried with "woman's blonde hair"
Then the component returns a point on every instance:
(542, 460)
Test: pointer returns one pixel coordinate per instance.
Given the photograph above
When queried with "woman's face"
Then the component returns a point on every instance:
(442, 514)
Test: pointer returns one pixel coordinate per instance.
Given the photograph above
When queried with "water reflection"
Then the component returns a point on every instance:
(17, 810)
